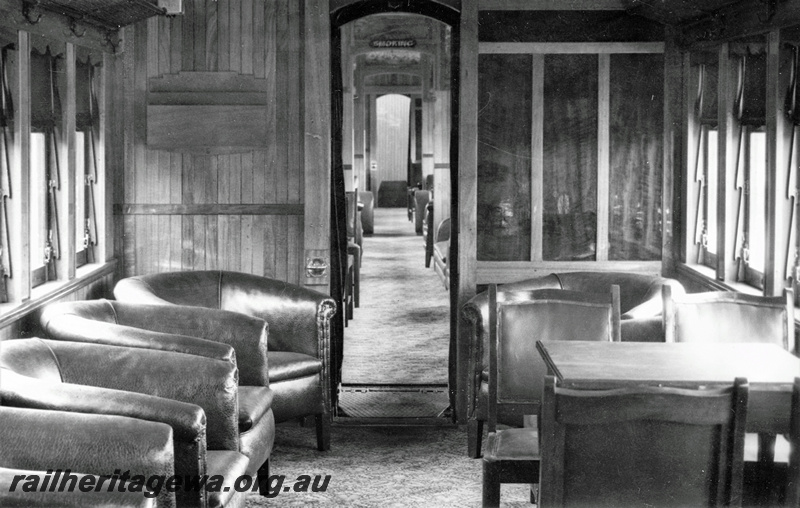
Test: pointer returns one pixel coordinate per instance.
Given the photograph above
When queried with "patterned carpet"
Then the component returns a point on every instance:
(425, 467)
(401, 331)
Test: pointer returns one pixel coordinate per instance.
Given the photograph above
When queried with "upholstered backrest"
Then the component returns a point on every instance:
(297, 317)
(542, 315)
(197, 288)
(634, 288)
(726, 316)
(443, 231)
(143, 326)
(643, 446)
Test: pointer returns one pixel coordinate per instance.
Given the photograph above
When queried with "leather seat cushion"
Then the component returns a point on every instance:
(254, 402)
(258, 442)
(285, 365)
(513, 444)
(230, 465)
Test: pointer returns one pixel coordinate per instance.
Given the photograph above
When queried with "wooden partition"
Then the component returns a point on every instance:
(214, 140)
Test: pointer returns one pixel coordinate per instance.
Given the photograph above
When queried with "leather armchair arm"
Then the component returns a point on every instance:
(298, 318)
(93, 444)
(188, 421)
(210, 384)
(247, 335)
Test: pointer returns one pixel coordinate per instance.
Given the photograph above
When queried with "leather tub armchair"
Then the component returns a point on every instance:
(195, 396)
(240, 341)
(34, 442)
(299, 330)
(640, 306)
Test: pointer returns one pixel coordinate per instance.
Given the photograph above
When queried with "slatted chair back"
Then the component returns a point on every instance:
(727, 316)
(517, 319)
(643, 446)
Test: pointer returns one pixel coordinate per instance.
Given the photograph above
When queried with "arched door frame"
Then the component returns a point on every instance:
(339, 17)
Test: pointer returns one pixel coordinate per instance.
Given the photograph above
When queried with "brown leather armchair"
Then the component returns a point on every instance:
(640, 305)
(122, 381)
(227, 336)
(89, 445)
(299, 330)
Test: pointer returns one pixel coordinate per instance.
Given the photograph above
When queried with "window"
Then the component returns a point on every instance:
(47, 76)
(87, 125)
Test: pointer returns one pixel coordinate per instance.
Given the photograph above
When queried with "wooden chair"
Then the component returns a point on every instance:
(644, 446)
(517, 371)
(727, 316)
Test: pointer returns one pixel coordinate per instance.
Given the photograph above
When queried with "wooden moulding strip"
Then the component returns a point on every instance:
(209, 209)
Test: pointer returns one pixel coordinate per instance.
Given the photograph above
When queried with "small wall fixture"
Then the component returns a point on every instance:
(171, 7)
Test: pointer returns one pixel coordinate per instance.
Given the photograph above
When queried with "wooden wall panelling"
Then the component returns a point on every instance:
(235, 20)
(283, 124)
(296, 102)
(212, 36)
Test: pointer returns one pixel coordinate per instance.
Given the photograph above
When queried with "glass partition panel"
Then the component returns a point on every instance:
(569, 220)
(504, 157)
(636, 139)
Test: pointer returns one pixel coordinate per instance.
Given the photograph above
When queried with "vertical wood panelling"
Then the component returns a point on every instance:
(224, 34)
(250, 37)
(212, 41)
(235, 20)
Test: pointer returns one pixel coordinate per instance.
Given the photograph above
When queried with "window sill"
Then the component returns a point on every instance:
(707, 277)
(51, 291)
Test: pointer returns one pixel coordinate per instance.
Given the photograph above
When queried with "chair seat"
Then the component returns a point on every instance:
(230, 465)
(286, 365)
(254, 402)
(512, 444)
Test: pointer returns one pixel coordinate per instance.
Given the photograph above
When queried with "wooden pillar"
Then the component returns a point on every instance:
(780, 191)
(441, 155)
(464, 271)
(316, 142)
(428, 123)
(674, 156)
(727, 191)
(66, 204)
(373, 138)
(359, 125)
(20, 287)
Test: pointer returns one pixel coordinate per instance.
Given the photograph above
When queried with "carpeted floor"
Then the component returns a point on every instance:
(425, 467)
(401, 331)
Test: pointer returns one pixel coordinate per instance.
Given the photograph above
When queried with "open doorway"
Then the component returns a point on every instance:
(392, 140)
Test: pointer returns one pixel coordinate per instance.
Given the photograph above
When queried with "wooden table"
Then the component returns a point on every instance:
(769, 369)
